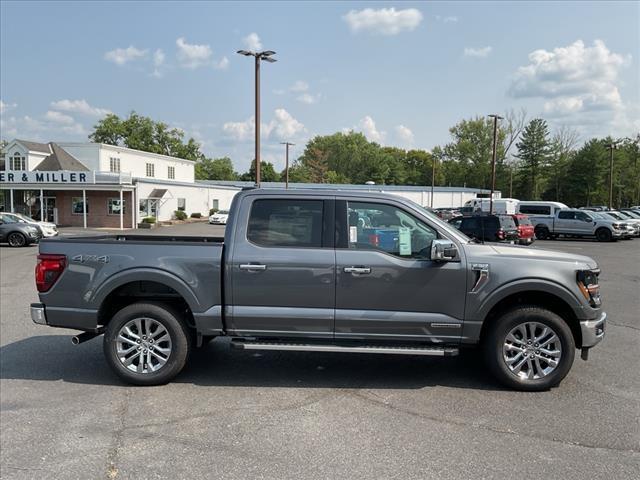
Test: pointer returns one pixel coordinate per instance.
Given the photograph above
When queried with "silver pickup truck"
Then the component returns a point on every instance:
(323, 271)
(580, 223)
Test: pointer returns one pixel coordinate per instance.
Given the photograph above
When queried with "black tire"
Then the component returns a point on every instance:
(496, 337)
(542, 233)
(17, 240)
(181, 342)
(603, 235)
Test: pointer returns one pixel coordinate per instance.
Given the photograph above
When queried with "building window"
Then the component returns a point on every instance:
(182, 204)
(76, 206)
(215, 204)
(151, 170)
(113, 206)
(171, 173)
(17, 162)
(148, 207)
(114, 164)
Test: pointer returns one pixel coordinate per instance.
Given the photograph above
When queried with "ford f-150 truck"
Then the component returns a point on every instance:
(579, 223)
(323, 271)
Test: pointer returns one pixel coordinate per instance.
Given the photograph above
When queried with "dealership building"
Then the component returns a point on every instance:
(95, 185)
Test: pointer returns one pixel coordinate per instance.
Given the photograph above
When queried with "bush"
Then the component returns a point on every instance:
(196, 215)
(149, 220)
(180, 215)
(212, 211)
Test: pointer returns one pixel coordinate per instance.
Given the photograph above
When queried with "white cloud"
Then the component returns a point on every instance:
(120, 56)
(252, 42)
(299, 86)
(404, 136)
(223, 64)
(283, 126)
(385, 21)
(79, 106)
(368, 127)
(58, 117)
(448, 19)
(308, 98)
(158, 58)
(477, 52)
(193, 55)
(5, 107)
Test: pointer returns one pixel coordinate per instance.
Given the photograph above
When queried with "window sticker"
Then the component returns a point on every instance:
(404, 240)
(353, 234)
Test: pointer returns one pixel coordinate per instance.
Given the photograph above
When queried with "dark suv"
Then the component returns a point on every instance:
(490, 228)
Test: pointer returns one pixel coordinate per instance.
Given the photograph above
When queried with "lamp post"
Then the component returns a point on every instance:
(612, 146)
(286, 160)
(493, 159)
(258, 57)
(433, 177)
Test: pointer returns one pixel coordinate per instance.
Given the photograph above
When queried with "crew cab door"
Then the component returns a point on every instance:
(282, 268)
(387, 286)
(566, 222)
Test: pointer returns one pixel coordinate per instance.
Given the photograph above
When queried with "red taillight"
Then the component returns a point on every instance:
(48, 269)
(374, 240)
(501, 234)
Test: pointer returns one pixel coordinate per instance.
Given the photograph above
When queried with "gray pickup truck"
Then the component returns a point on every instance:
(580, 223)
(323, 271)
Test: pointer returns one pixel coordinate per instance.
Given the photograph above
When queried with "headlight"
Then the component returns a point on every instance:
(616, 225)
(32, 229)
(589, 286)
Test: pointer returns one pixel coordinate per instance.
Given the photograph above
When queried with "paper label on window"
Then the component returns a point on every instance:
(353, 234)
(404, 240)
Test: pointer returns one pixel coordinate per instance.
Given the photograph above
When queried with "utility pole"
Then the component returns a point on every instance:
(612, 146)
(495, 117)
(433, 177)
(286, 160)
(510, 181)
(258, 56)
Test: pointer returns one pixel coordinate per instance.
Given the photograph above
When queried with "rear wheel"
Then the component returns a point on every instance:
(16, 239)
(603, 235)
(542, 233)
(147, 344)
(529, 348)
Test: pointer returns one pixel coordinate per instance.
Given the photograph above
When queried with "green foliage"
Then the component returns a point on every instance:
(267, 173)
(534, 152)
(215, 169)
(212, 211)
(149, 220)
(180, 215)
(196, 215)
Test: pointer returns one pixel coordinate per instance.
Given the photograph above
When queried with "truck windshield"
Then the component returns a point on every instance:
(445, 226)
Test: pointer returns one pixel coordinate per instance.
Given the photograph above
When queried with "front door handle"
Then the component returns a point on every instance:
(358, 270)
(253, 267)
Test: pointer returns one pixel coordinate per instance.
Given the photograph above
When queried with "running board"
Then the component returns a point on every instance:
(300, 347)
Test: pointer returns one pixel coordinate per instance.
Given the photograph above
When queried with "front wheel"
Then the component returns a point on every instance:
(147, 344)
(529, 348)
(603, 235)
(16, 239)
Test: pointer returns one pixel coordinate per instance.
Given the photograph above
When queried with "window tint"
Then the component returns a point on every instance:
(583, 216)
(376, 226)
(286, 223)
(469, 223)
(566, 215)
(490, 223)
(535, 209)
(507, 223)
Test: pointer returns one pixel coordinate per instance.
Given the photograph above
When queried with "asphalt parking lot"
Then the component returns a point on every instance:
(235, 414)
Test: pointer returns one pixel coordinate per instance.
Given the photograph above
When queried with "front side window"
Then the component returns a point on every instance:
(376, 226)
(151, 170)
(114, 165)
(77, 206)
(286, 223)
(567, 215)
(113, 206)
(171, 173)
(583, 216)
(17, 162)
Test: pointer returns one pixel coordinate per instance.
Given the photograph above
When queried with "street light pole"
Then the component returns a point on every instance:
(612, 146)
(433, 177)
(286, 168)
(493, 159)
(258, 57)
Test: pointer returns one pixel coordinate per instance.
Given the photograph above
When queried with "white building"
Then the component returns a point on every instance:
(94, 185)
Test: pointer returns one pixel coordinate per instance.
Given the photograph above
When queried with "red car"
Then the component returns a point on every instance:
(526, 236)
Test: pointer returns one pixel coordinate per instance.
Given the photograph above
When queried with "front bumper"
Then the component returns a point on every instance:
(38, 314)
(593, 330)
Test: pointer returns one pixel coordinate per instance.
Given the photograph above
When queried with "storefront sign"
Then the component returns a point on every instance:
(45, 177)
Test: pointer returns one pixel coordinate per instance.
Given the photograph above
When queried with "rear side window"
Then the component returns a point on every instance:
(535, 209)
(523, 221)
(469, 223)
(567, 215)
(286, 223)
(491, 223)
(507, 223)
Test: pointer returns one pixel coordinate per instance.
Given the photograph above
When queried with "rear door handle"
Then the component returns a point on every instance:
(253, 267)
(358, 270)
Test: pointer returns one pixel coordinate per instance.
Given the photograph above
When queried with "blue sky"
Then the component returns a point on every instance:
(401, 72)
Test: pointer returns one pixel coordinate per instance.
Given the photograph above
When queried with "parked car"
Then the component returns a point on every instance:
(48, 229)
(17, 233)
(299, 271)
(578, 223)
(526, 233)
(219, 218)
(490, 228)
(596, 208)
(632, 223)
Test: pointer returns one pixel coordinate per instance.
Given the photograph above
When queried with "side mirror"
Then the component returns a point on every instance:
(588, 219)
(443, 250)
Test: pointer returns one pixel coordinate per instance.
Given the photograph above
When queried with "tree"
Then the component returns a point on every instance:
(215, 169)
(533, 152)
(587, 174)
(267, 173)
(562, 147)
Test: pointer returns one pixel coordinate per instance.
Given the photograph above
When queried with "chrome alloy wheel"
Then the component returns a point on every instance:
(532, 350)
(143, 345)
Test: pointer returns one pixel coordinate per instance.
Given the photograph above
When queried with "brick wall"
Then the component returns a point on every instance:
(97, 214)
